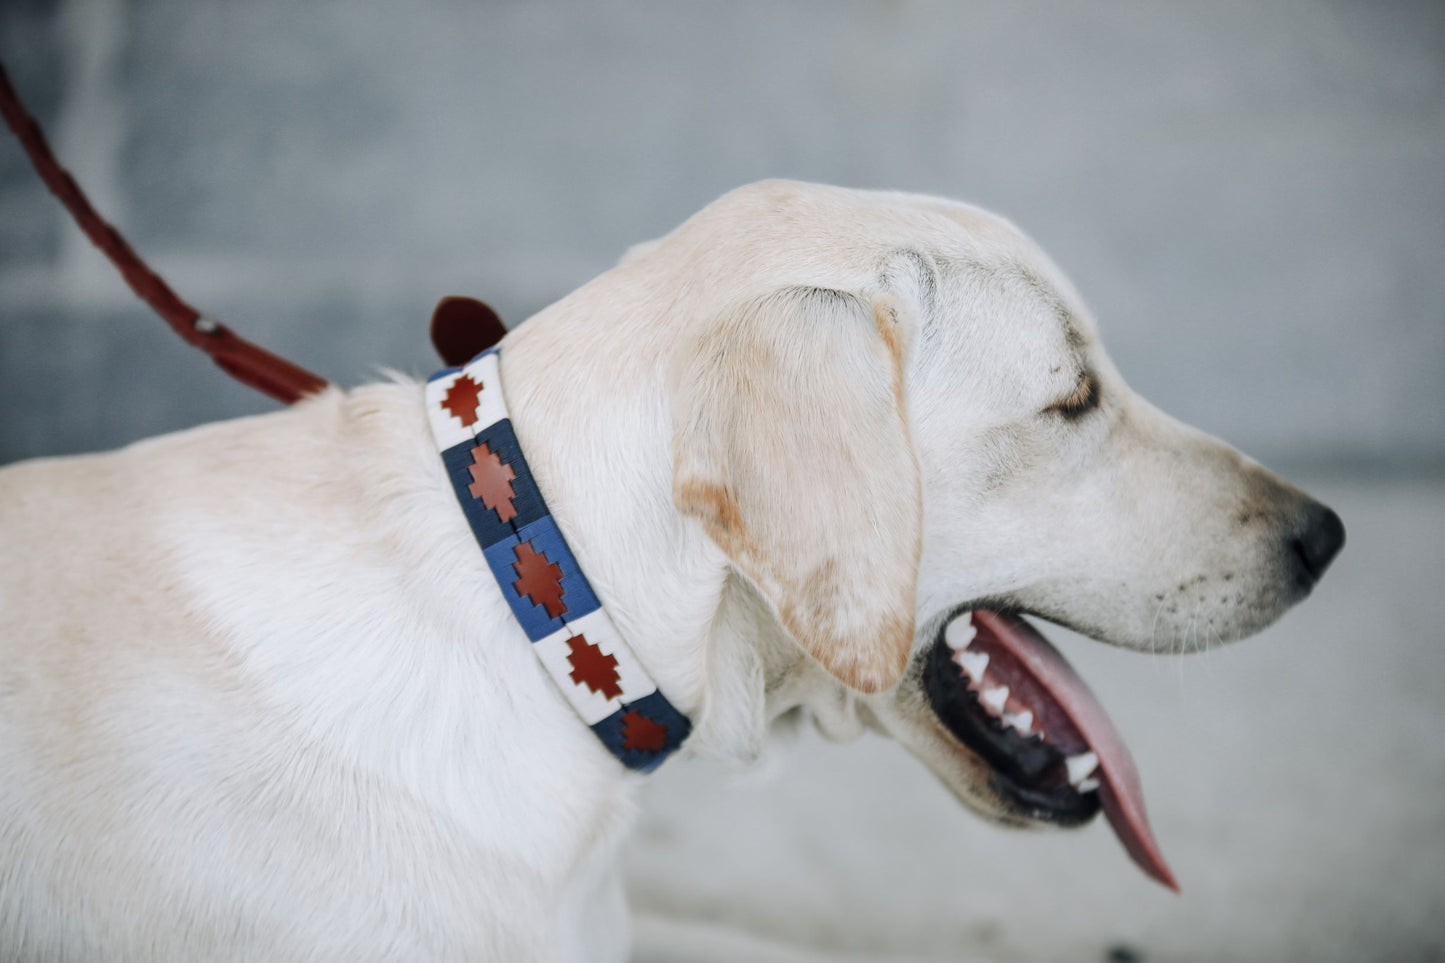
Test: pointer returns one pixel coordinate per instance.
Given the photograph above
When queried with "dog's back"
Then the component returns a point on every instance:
(231, 685)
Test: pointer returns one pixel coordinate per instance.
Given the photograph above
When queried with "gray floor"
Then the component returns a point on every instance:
(1296, 782)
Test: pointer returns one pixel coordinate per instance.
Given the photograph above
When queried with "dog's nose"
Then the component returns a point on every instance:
(1320, 540)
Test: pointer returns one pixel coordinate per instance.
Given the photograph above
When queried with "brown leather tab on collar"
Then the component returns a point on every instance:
(462, 328)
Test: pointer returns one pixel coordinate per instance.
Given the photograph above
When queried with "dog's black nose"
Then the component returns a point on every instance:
(1320, 540)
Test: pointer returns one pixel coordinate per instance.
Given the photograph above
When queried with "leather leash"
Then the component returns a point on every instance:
(461, 327)
(246, 362)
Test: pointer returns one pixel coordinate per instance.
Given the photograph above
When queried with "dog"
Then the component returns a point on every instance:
(817, 450)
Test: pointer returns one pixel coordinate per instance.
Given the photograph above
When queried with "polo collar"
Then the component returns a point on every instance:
(571, 633)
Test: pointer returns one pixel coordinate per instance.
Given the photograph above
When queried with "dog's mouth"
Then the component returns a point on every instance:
(1008, 695)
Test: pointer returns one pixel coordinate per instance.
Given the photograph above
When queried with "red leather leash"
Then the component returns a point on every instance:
(461, 327)
(246, 362)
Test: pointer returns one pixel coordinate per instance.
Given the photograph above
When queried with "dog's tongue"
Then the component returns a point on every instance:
(1120, 794)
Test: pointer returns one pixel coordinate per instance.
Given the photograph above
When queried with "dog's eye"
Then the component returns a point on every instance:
(1085, 398)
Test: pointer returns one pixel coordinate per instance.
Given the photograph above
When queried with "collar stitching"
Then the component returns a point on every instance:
(571, 633)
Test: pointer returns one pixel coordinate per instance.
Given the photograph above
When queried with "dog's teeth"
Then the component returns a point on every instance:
(960, 632)
(1080, 767)
(974, 663)
(1088, 785)
(995, 698)
(1022, 721)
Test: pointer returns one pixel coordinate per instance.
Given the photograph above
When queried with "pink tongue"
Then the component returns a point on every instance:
(1120, 794)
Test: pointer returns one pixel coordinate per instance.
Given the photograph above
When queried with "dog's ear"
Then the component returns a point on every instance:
(792, 449)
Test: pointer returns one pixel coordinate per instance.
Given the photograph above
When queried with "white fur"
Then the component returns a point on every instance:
(260, 697)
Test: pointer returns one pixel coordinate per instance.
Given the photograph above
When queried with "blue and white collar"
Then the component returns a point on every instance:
(537, 573)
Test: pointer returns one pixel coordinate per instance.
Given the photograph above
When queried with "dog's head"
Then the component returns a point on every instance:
(894, 416)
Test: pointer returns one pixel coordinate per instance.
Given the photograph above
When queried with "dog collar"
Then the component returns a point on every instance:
(538, 575)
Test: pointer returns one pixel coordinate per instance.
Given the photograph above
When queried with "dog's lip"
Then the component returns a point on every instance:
(1027, 756)
(1073, 718)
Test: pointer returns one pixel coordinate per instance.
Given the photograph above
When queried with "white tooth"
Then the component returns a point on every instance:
(1022, 721)
(995, 698)
(1081, 766)
(974, 663)
(1088, 785)
(960, 632)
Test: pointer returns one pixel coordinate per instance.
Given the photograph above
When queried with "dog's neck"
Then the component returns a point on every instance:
(538, 574)
(598, 436)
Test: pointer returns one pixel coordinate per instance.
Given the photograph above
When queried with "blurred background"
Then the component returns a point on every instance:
(1251, 195)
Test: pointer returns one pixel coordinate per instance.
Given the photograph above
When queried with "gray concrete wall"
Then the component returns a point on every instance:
(1251, 195)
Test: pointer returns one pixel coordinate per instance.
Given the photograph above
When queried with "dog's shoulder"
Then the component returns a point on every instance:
(304, 453)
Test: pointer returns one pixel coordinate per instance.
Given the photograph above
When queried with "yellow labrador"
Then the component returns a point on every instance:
(261, 696)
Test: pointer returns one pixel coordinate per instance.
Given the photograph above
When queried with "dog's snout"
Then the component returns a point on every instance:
(1319, 541)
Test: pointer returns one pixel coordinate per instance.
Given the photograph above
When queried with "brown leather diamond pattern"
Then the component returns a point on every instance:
(492, 482)
(594, 668)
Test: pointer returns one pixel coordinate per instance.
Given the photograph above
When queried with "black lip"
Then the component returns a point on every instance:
(1028, 773)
